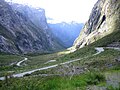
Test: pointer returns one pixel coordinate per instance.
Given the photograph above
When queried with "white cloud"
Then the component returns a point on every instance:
(63, 10)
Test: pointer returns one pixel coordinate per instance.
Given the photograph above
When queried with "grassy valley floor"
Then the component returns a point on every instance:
(96, 72)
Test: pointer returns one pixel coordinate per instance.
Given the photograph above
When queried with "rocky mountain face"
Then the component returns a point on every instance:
(104, 20)
(18, 33)
(36, 15)
(66, 32)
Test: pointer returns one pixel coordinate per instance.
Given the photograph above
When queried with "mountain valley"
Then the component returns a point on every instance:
(66, 32)
(30, 58)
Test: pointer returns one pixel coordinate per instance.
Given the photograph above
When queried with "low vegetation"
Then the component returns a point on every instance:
(113, 37)
(94, 69)
(54, 83)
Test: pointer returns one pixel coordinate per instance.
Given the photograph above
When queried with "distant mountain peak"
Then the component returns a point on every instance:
(66, 32)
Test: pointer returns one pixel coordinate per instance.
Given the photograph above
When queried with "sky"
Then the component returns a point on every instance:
(63, 10)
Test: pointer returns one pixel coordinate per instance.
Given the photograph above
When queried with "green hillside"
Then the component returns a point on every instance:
(96, 71)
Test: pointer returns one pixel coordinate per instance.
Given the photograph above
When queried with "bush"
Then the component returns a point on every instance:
(94, 78)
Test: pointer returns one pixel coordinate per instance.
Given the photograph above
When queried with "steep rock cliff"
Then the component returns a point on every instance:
(36, 15)
(104, 20)
(18, 34)
(38, 18)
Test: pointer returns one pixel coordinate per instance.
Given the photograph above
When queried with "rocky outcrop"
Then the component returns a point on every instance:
(104, 19)
(18, 34)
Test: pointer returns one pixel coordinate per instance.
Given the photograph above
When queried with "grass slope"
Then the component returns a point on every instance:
(95, 76)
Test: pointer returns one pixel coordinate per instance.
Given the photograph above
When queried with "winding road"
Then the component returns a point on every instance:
(19, 63)
(98, 49)
(50, 61)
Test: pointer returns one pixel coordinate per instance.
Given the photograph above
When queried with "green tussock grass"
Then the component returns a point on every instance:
(83, 52)
(7, 59)
(53, 83)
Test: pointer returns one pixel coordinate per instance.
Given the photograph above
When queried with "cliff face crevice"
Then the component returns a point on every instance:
(104, 19)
